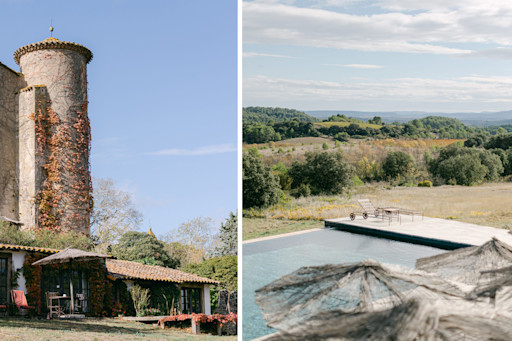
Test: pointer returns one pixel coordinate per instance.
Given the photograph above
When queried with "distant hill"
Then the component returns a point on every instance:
(482, 119)
(267, 114)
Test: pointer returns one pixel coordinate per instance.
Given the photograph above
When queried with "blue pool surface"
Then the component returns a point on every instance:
(266, 261)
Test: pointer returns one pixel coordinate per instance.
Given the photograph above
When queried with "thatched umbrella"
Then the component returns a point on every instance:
(67, 256)
(465, 265)
(364, 286)
(496, 285)
(419, 320)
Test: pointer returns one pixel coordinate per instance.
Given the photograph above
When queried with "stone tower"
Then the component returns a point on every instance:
(52, 183)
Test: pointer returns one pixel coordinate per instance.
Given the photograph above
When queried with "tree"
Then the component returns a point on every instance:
(466, 166)
(114, 213)
(196, 239)
(398, 164)
(223, 269)
(324, 172)
(260, 185)
(143, 248)
(228, 237)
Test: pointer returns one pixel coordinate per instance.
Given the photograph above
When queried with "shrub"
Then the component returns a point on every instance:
(302, 191)
(141, 298)
(466, 166)
(398, 164)
(325, 146)
(425, 183)
(260, 186)
(324, 172)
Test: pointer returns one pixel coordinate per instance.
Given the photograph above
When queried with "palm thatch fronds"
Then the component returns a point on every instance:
(418, 320)
(69, 254)
(466, 265)
(358, 287)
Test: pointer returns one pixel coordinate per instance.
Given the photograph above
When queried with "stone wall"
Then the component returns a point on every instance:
(10, 83)
(64, 74)
(31, 99)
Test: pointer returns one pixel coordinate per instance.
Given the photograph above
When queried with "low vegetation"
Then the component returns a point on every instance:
(489, 206)
(107, 329)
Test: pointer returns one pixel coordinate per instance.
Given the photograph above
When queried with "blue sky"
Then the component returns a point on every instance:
(385, 55)
(162, 94)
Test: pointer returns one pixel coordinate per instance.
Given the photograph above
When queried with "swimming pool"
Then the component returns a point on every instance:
(266, 261)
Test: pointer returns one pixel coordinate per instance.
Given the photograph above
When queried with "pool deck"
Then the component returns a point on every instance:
(440, 233)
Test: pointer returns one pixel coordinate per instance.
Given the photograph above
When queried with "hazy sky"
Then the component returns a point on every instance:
(437, 55)
(162, 93)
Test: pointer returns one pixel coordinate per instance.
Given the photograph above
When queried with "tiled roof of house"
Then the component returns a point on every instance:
(124, 269)
(27, 248)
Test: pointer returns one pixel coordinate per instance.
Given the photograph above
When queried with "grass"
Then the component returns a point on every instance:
(487, 205)
(107, 329)
(258, 227)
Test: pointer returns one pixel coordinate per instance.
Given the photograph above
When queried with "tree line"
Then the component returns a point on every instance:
(479, 159)
(291, 124)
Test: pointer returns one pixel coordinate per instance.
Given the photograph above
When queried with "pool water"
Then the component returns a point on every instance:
(266, 261)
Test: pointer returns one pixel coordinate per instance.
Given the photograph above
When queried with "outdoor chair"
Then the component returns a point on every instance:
(81, 299)
(412, 213)
(368, 208)
(18, 297)
(53, 305)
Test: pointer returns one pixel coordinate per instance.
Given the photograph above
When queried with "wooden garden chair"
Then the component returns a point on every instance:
(18, 297)
(52, 303)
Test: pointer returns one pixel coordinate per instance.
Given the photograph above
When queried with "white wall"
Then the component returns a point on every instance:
(207, 305)
(18, 257)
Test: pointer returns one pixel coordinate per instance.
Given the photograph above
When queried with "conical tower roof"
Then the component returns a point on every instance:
(53, 43)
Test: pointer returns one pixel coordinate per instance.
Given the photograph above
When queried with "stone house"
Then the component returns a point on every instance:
(193, 292)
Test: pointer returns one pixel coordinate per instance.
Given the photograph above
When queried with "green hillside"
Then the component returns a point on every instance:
(267, 115)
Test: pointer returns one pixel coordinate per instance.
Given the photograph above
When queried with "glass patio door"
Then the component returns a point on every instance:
(3, 281)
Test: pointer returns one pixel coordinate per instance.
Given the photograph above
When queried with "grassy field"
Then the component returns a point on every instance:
(107, 329)
(487, 205)
(261, 227)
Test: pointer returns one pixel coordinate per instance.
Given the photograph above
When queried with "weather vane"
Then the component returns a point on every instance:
(51, 28)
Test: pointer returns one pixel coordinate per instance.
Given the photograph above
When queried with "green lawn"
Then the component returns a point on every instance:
(260, 227)
(108, 329)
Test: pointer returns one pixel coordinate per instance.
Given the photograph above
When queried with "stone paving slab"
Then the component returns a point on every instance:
(450, 231)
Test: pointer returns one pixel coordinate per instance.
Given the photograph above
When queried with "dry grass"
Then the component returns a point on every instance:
(487, 205)
(257, 228)
(107, 329)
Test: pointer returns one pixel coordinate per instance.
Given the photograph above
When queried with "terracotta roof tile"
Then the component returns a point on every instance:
(131, 270)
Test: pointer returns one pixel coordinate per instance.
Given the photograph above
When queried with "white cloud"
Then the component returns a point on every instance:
(256, 54)
(465, 93)
(361, 66)
(206, 150)
(402, 26)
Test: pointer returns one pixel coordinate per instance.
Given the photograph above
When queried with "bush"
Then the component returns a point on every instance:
(325, 146)
(141, 298)
(466, 166)
(398, 164)
(302, 191)
(11, 234)
(425, 183)
(324, 172)
(260, 186)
